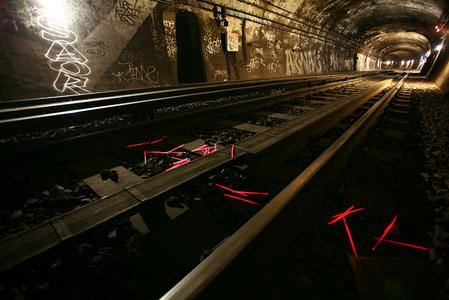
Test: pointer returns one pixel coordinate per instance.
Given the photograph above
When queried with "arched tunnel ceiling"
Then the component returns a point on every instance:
(391, 28)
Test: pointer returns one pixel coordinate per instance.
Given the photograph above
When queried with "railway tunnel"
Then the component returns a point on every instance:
(206, 148)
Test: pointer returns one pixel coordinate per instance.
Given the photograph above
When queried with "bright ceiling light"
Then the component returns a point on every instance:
(56, 10)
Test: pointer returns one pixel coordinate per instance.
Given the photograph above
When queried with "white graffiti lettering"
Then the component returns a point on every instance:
(133, 73)
(170, 38)
(127, 13)
(254, 64)
(221, 75)
(269, 35)
(273, 67)
(293, 62)
(63, 57)
(96, 48)
(213, 46)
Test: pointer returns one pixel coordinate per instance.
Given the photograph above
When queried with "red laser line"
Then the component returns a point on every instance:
(200, 148)
(164, 152)
(205, 149)
(405, 244)
(241, 199)
(243, 193)
(386, 231)
(348, 231)
(344, 214)
(247, 193)
(232, 150)
(178, 164)
(145, 143)
(224, 187)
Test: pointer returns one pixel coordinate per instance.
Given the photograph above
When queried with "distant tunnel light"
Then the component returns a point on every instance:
(439, 47)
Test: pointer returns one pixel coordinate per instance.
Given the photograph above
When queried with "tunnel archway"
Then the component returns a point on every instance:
(190, 62)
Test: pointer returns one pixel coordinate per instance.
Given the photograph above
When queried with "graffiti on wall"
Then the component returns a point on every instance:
(211, 40)
(220, 75)
(96, 47)
(213, 46)
(63, 56)
(127, 12)
(266, 52)
(170, 38)
(255, 63)
(132, 74)
(303, 61)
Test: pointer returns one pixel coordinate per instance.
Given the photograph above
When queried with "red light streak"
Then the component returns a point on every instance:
(386, 231)
(241, 199)
(351, 241)
(178, 164)
(232, 150)
(242, 193)
(145, 143)
(205, 149)
(342, 216)
(405, 244)
(164, 152)
(172, 151)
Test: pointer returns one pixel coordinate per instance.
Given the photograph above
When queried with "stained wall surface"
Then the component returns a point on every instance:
(68, 47)
(73, 47)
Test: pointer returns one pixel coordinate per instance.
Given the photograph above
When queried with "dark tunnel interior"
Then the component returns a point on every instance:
(203, 148)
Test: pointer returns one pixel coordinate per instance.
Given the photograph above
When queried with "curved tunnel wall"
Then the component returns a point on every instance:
(68, 47)
(74, 47)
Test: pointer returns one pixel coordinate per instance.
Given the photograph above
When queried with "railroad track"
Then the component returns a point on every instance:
(336, 148)
(381, 179)
(302, 115)
(114, 109)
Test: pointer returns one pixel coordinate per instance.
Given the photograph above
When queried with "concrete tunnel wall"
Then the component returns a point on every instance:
(76, 47)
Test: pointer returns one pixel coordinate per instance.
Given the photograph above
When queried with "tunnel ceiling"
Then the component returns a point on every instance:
(400, 29)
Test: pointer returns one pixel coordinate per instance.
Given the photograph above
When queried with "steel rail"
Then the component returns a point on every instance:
(182, 88)
(21, 113)
(194, 282)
